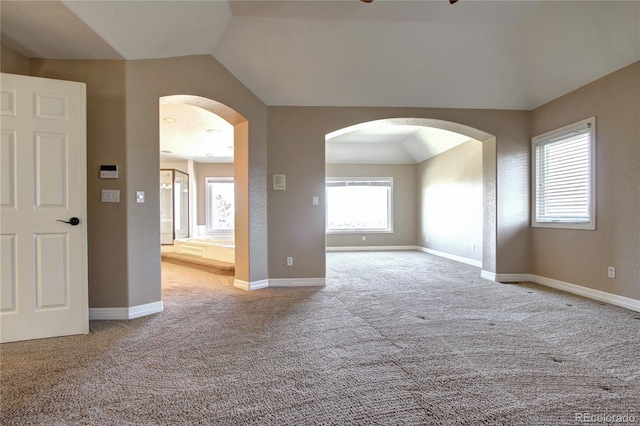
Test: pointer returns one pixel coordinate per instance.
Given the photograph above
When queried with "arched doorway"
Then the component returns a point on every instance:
(413, 142)
(230, 129)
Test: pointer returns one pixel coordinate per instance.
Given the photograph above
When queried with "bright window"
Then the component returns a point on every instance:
(359, 204)
(220, 207)
(564, 177)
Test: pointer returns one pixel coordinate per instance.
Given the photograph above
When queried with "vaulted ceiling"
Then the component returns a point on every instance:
(422, 53)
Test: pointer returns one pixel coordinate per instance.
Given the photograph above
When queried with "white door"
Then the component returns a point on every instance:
(43, 272)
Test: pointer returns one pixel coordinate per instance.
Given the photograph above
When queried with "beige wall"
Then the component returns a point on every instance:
(581, 257)
(147, 81)
(404, 204)
(296, 149)
(122, 123)
(450, 201)
(122, 106)
(122, 129)
(13, 62)
(106, 144)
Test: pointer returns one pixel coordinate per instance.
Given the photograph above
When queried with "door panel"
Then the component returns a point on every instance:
(44, 261)
(52, 277)
(51, 170)
(8, 169)
(51, 106)
(8, 274)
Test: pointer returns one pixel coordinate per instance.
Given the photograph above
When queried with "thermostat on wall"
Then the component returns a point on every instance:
(108, 172)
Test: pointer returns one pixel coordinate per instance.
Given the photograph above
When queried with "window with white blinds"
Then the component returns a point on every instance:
(564, 177)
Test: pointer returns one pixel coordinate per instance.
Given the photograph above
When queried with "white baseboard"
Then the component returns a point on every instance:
(505, 278)
(297, 282)
(125, 313)
(253, 285)
(449, 256)
(488, 275)
(589, 293)
(372, 248)
(279, 282)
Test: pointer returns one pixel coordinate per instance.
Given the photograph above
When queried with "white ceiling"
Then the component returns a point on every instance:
(422, 53)
(384, 143)
(192, 133)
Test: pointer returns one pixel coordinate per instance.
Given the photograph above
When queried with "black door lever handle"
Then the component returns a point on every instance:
(73, 221)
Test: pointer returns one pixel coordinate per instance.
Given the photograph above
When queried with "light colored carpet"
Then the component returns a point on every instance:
(395, 338)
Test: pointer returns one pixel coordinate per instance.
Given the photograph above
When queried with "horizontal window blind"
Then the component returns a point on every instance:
(563, 177)
(359, 183)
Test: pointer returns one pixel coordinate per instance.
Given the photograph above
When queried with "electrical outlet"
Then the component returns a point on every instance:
(364, 238)
(611, 272)
(289, 261)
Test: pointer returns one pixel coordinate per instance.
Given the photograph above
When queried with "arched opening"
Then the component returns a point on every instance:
(442, 175)
(204, 143)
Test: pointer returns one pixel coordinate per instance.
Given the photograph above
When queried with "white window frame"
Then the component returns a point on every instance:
(388, 229)
(219, 234)
(538, 219)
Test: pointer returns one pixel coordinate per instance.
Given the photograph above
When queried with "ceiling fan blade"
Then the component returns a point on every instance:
(369, 1)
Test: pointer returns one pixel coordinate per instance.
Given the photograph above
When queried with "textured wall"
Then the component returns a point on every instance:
(296, 148)
(203, 76)
(450, 201)
(124, 246)
(580, 256)
(122, 123)
(106, 144)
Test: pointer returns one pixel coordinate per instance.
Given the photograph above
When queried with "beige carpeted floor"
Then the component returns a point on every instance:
(395, 338)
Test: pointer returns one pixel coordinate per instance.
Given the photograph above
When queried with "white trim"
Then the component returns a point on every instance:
(512, 278)
(449, 256)
(488, 275)
(297, 282)
(588, 124)
(613, 299)
(253, 285)
(505, 278)
(279, 282)
(125, 313)
(191, 249)
(372, 248)
(589, 293)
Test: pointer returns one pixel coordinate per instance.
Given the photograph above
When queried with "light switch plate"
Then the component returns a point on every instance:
(110, 195)
(279, 182)
(140, 196)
